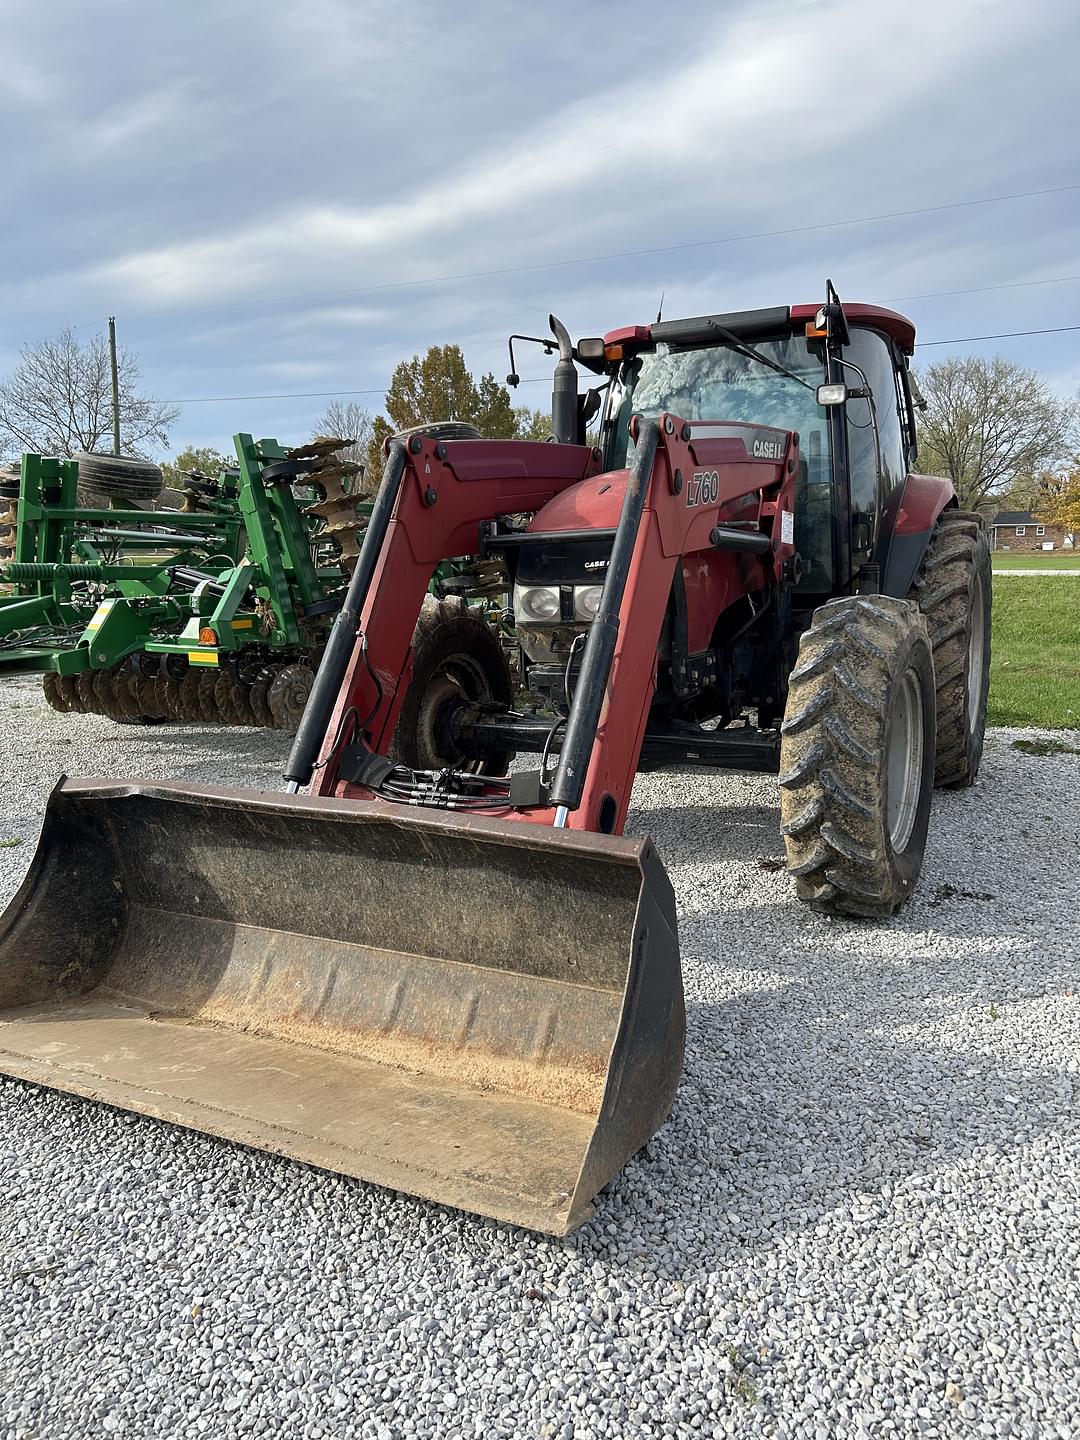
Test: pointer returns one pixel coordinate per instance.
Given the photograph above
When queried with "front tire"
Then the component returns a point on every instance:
(857, 756)
(952, 589)
(456, 657)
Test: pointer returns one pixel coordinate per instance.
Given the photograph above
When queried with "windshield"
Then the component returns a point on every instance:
(718, 382)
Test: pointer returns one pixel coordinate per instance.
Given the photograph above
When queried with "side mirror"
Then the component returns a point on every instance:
(832, 394)
(590, 404)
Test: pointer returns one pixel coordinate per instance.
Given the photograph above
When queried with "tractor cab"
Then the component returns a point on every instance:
(833, 376)
(719, 382)
(766, 367)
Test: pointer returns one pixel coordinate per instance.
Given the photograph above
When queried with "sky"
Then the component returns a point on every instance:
(285, 199)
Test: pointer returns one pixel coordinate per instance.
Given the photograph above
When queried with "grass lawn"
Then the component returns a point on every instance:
(1042, 560)
(1035, 670)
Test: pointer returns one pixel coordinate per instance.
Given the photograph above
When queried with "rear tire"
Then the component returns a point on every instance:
(952, 589)
(456, 657)
(857, 756)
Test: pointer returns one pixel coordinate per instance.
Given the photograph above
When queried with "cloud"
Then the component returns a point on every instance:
(278, 163)
(134, 121)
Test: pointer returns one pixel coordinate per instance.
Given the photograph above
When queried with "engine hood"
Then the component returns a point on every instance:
(591, 504)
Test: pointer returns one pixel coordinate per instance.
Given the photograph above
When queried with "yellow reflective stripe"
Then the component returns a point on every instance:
(202, 657)
(242, 624)
(100, 615)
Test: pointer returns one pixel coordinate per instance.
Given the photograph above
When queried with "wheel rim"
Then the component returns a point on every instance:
(457, 678)
(905, 762)
(976, 643)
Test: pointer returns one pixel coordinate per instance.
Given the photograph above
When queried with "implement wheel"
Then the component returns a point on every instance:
(456, 657)
(260, 705)
(952, 589)
(857, 756)
(288, 694)
(208, 712)
(86, 690)
(56, 696)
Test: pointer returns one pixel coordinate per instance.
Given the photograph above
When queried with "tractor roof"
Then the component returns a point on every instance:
(753, 324)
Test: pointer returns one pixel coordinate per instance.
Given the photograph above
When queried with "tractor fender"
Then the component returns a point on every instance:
(907, 522)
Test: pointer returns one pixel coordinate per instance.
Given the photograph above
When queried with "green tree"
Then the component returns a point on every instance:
(532, 424)
(440, 387)
(1060, 505)
(989, 424)
(1032, 492)
(202, 458)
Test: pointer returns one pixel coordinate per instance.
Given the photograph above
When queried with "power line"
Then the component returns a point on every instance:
(542, 379)
(314, 394)
(1005, 335)
(295, 395)
(984, 289)
(615, 255)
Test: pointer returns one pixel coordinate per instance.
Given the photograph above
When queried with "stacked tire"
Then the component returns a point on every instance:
(103, 478)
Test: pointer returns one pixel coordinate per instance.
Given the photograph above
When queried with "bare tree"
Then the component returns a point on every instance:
(989, 423)
(58, 400)
(349, 421)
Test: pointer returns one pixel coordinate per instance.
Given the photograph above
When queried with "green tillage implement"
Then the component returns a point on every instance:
(61, 562)
(181, 593)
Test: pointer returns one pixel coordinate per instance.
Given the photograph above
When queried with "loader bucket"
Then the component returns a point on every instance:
(484, 1013)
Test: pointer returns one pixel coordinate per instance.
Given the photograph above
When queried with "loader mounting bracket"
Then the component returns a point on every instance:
(361, 766)
(527, 788)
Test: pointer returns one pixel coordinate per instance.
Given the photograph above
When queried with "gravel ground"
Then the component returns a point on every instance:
(861, 1219)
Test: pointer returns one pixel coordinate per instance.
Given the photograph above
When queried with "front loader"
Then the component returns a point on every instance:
(434, 970)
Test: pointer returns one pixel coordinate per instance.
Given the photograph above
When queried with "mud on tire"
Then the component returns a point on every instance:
(952, 589)
(857, 756)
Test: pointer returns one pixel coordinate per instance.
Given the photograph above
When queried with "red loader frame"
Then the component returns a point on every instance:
(685, 482)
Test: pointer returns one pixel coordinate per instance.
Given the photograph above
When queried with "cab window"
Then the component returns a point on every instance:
(718, 382)
(873, 354)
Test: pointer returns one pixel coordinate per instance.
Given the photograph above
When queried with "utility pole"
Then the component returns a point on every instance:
(115, 386)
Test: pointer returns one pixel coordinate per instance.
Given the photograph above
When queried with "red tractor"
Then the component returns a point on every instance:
(469, 983)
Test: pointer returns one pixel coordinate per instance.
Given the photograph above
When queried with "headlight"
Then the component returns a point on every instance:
(536, 602)
(586, 601)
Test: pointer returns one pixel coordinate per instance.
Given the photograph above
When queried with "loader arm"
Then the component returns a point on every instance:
(683, 476)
